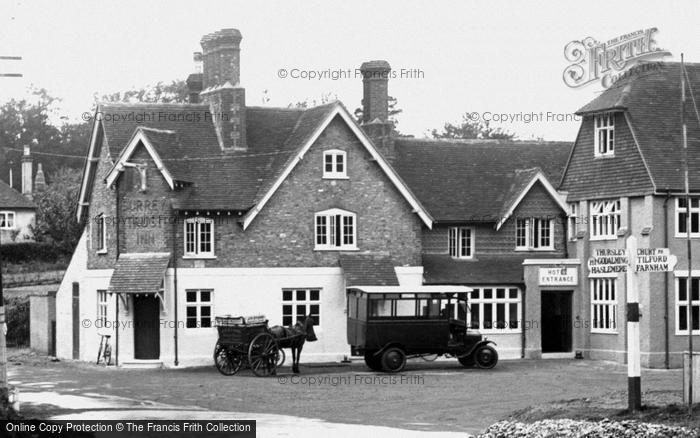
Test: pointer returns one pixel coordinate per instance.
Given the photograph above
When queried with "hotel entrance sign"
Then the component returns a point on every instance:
(558, 276)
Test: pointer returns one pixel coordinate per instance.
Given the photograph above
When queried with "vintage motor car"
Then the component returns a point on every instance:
(388, 324)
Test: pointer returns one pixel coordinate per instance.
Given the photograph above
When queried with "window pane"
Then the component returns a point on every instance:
(694, 286)
(286, 320)
(379, 308)
(191, 296)
(405, 308)
(205, 311)
(512, 293)
(287, 310)
(205, 296)
(313, 294)
(301, 310)
(682, 289)
(487, 293)
(206, 322)
(694, 222)
(191, 311)
(488, 316)
(314, 309)
(475, 294)
(696, 317)
(474, 310)
(301, 295)
(513, 316)
(286, 295)
(339, 163)
(500, 315)
(500, 293)
(191, 323)
(329, 162)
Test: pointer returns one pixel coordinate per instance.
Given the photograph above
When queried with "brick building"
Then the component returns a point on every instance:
(624, 178)
(214, 207)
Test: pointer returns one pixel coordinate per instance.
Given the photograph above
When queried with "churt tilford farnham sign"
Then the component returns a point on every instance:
(615, 260)
(558, 276)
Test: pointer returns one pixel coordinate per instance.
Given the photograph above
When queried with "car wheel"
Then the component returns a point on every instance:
(373, 361)
(486, 357)
(393, 360)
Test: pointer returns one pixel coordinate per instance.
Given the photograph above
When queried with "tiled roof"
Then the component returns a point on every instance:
(652, 100)
(185, 139)
(139, 273)
(473, 180)
(11, 198)
(368, 270)
(493, 269)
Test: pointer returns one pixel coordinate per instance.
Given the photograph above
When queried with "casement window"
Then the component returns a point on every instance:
(572, 222)
(199, 237)
(100, 233)
(198, 307)
(682, 305)
(495, 309)
(682, 217)
(7, 220)
(298, 303)
(335, 229)
(102, 305)
(461, 242)
(604, 135)
(604, 305)
(534, 234)
(335, 164)
(605, 219)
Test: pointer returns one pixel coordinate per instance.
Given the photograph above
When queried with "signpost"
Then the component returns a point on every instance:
(631, 261)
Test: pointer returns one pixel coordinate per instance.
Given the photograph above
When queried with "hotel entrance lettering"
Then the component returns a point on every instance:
(558, 276)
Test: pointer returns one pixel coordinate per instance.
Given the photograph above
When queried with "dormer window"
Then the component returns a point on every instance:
(604, 135)
(335, 164)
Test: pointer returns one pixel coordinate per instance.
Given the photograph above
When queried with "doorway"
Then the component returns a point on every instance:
(146, 327)
(556, 321)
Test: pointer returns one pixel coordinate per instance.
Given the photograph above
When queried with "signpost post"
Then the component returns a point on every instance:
(631, 261)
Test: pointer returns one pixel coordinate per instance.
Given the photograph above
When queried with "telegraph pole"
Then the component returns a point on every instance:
(3, 350)
(689, 280)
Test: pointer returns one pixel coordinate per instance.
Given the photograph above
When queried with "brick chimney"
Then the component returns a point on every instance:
(375, 106)
(222, 90)
(194, 81)
(27, 172)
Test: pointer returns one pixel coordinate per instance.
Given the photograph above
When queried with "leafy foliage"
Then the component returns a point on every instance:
(393, 111)
(160, 92)
(17, 319)
(56, 222)
(471, 129)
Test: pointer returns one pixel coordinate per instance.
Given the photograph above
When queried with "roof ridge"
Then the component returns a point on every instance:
(160, 131)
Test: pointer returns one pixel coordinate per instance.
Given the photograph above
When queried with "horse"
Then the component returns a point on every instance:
(294, 337)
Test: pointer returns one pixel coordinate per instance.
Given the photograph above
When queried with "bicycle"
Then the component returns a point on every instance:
(105, 350)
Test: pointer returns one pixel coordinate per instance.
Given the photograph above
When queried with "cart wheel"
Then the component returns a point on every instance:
(429, 357)
(227, 362)
(393, 360)
(262, 355)
(486, 357)
(467, 361)
(280, 358)
(373, 361)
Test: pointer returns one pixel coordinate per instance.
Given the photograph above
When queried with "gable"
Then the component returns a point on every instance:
(537, 184)
(590, 177)
(341, 114)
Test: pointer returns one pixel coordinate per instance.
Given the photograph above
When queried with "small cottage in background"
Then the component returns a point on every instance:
(17, 211)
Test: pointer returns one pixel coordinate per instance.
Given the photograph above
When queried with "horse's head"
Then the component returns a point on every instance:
(308, 323)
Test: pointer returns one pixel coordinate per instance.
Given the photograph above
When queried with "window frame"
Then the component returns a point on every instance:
(684, 303)
(532, 226)
(605, 212)
(604, 123)
(455, 241)
(335, 219)
(334, 154)
(694, 211)
(102, 308)
(198, 241)
(572, 221)
(198, 304)
(101, 233)
(307, 302)
(506, 301)
(7, 214)
(597, 299)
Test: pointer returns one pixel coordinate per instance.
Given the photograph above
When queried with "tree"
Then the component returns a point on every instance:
(471, 128)
(310, 103)
(56, 221)
(174, 92)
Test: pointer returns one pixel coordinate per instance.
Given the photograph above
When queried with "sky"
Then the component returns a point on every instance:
(483, 57)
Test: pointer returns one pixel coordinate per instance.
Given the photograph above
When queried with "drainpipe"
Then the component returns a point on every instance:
(666, 274)
(174, 259)
(523, 328)
(116, 252)
(565, 219)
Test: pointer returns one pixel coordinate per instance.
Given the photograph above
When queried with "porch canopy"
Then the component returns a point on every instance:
(139, 273)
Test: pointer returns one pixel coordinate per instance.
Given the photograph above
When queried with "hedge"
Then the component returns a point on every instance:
(26, 252)
(17, 320)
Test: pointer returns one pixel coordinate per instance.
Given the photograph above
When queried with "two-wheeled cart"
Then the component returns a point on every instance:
(242, 344)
